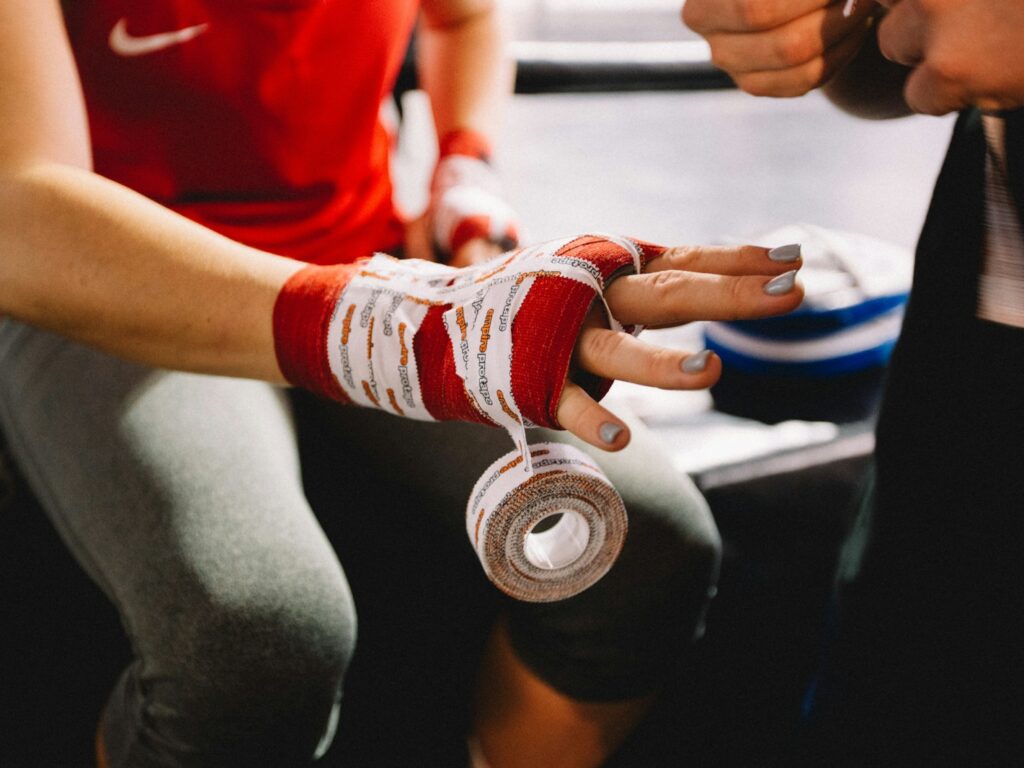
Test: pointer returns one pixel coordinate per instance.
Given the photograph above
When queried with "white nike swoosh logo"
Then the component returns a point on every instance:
(124, 44)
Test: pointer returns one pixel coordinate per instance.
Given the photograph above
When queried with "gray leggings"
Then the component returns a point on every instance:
(182, 496)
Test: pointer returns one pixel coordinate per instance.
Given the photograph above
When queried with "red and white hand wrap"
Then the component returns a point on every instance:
(491, 343)
(465, 196)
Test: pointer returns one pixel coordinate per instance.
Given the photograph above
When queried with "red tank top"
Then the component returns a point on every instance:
(257, 118)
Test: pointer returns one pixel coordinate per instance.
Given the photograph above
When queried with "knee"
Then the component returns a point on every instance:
(700, 555)
(694, 581)
(668, 577)
(294, 638)
(257, 668)
(620, 638)
(675, 554)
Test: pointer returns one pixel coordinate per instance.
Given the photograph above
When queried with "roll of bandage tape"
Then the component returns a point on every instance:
(548, 533)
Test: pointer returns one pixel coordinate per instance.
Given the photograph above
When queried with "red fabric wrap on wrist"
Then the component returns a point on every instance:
(302, 314)
(465, 141)
(469, 228)
(544, 333)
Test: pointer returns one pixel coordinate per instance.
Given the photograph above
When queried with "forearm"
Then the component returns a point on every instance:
(90, 259)
(463, 67)
(870, 86)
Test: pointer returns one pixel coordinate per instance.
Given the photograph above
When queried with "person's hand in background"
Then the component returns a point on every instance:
(467, 221)
(962, 52)
(780, 47)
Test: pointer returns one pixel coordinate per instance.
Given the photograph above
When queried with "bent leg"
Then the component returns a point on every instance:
(588, 668)
(180, 495)
(623, 636)
(620, 639)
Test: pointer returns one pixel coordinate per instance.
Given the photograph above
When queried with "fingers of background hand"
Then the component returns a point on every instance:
(474, 251)
(708, 16)
(590, 421)
(794, 43)
(417, 239)
(929, 91)
(902, 35)
(964, 53)
(618, 355)
(676, 297)
(935, 86)
(798, 80)
(728, 260)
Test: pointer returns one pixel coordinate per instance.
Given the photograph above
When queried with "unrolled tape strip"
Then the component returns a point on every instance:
(546, 534)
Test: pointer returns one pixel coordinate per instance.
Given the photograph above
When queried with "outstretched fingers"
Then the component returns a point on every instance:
(674, 297)
(728, 259)
(680, 285)
(618, 355)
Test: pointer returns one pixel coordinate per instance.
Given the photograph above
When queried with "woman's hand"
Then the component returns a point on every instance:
(682, 285)
(524, 338)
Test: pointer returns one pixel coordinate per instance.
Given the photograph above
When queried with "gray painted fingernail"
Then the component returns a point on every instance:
(609, 432)
(782, 284)
(789, 252)
(696, 363)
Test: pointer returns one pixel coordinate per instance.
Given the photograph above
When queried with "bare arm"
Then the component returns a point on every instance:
(94, 261)
(462, 65)
(463, 69)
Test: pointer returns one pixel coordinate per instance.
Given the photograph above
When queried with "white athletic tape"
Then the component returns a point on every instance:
(464, 187)
(369, 340)
(370, 350)
(582, 516)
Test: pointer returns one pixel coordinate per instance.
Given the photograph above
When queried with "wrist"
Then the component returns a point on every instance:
(467, 202)
(466, 142)
(302, 315)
